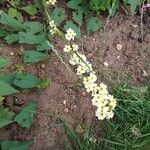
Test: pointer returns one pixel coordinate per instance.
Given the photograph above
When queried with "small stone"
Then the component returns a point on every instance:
(105, 64)
(134, 25)
(43, 66)
(118, 57)
(144, 73)
(94, 39)
(83, 93)
(119, 47)
(85, 37)
(12, 53)
(64, 102)
(66, 110)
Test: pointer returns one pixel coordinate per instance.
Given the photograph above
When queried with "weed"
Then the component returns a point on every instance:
(130, 128)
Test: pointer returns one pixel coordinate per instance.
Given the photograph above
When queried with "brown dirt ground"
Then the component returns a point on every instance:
(132, 61)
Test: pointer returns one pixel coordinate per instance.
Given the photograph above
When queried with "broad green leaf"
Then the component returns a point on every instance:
(34, 56)
(3, 62)
(45, 45)
(4, 122)
(70, 24)
(33, 27)
(25, 80)
(58, 15)
(30, 38)
(10, 21)
(30, 9)
(11, 38)
(8, 78)
(93, 25)
(3, 32)
(6, 89)
(78, 17)
(114, 7)
(15, 145)
(26, 116)
(12, 12)
(74, 4)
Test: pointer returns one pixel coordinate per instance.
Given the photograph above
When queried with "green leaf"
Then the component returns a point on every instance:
(12, 12)
(25, 117)
(3, 32)
(11, 38)
(15, 145)
(14, 2)
(10, 21)
(33, 27)
(113, 9)
(8, 78)
(58, 15)
(78, 17)
(30, 38)
(3, 62)
(93, 25)
(45, 45)
(74, 4)
(134, 4)
(4, 122)
(70, 24)
(34, 56)
(25, 80)
(19, 16)
(6, 89)
(30, 9)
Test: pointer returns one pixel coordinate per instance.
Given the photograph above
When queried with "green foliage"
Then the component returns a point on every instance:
(80, 141)
(12, 12)
(6, 116)
(25, 117)
(15, 145)
(11, 38)
(3, 32)
(78, 17)
(33, 27)
(45, 45)
(30, 9)
(58, 15)
(7, 78)
(134, 4)
(130, 130)
(25, 80)
(3, 62)
(93, 24)
(6, 89)
(43, 84)
(10, 22)
(34, 56)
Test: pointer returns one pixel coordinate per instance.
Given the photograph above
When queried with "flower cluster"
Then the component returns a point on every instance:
(51, 2)
(53, 28)
(101, 98)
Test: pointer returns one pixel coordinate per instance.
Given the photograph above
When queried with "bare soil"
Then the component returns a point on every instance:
(65, 97)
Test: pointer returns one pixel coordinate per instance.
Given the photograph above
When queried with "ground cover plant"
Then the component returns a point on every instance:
(37, 31)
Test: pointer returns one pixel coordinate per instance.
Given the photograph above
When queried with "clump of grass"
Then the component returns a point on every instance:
(130, 128)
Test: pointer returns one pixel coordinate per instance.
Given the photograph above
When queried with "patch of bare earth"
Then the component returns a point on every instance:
(114, 52)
